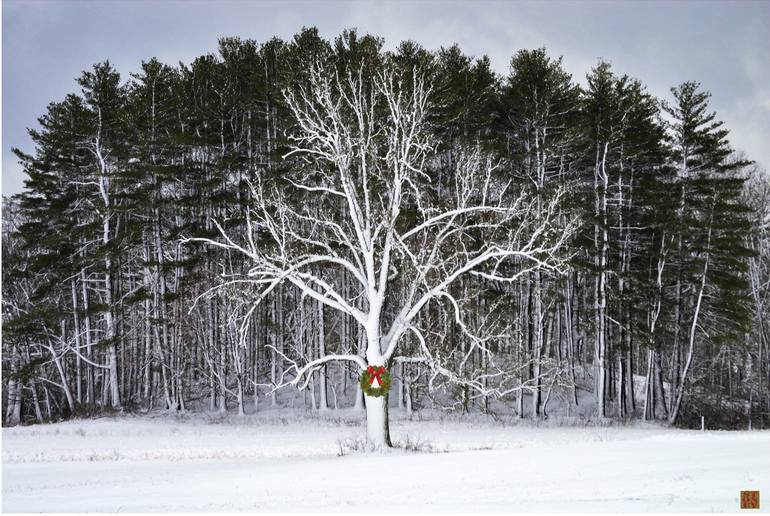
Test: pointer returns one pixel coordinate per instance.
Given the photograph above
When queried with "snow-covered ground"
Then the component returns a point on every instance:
(283, 461)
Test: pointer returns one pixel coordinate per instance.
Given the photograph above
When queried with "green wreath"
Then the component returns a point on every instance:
(375, 381)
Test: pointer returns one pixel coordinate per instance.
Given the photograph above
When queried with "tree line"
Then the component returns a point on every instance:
(619, 245)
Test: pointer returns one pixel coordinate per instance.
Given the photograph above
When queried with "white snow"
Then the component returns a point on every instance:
(285, 461)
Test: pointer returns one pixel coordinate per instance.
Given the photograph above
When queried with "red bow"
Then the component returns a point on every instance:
(375, 372)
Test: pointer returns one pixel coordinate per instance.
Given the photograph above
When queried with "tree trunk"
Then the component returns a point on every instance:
(36, 402)
(78, 366)
(601, 293)
(359, 400)
(90, 387)
(377, 426)
(323, 403)
(537, 341)
(674, 413)
(649, 410)
(13, 408)
(408, 396)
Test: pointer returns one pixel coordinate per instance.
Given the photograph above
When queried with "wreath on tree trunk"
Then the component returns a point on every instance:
(375, 381)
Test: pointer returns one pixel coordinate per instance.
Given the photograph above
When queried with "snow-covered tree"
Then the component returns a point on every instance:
(362, 148)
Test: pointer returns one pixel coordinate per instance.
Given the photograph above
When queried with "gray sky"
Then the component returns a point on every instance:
(724, 45)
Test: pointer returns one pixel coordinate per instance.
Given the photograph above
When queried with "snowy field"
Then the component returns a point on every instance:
(282, 461)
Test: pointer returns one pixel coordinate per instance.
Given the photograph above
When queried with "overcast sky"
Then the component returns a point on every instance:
(724, 45)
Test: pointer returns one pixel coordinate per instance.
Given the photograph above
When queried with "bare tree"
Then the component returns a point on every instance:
(365, 148)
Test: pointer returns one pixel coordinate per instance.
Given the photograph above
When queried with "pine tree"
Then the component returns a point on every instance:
(710, 217)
